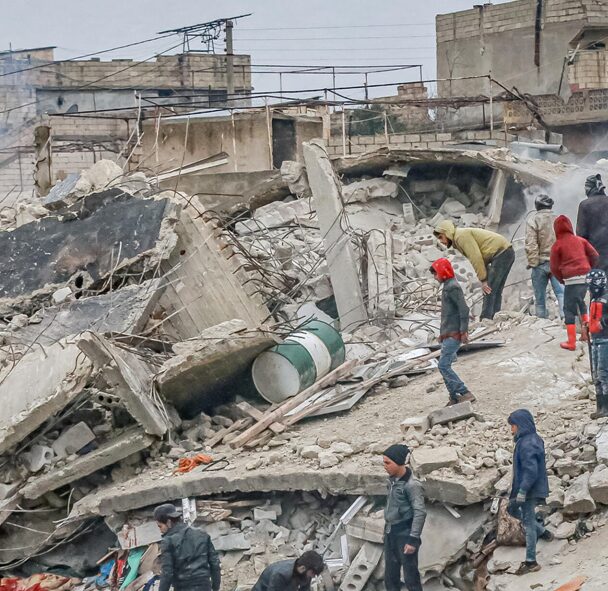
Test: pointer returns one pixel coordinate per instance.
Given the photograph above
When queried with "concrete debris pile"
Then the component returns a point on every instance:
(388, 207)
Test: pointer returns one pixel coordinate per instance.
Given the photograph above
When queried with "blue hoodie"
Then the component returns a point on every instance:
(529, 466)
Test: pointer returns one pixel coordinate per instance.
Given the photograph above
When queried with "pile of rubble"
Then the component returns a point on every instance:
(131, 317)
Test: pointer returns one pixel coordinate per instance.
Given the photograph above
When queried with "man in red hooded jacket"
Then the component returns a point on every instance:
(454, 330)
(572, 257)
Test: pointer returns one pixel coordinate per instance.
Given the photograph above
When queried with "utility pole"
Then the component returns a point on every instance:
(229, 62)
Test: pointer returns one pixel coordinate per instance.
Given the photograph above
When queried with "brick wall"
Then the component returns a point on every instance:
(589, 70)
(16, 166)
(497, 18)
(411, 141)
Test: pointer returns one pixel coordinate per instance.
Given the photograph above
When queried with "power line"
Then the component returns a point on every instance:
(79, 57)
(331, 38)
(336, 27)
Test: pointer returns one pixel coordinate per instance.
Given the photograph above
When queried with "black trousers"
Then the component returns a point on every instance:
(498, 271)
(395, 560)
(574, 302)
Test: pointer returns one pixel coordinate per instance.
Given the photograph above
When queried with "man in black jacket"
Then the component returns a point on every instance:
(530, 485)
(454, 330)
(592, 221)
(291, 575)
(598, 327)
(404, 517)
(188, 559)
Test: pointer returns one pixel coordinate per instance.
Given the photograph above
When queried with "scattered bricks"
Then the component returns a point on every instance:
(578, 498)
(362, 567)
(598, 485)
(260, 513)
(425, 460)
(449, 414)
(38, 457)
(73, 439)
(231, 542)
(420, 424)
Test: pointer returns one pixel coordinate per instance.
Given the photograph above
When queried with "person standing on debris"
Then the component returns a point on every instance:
(597, 281)
(491, 255)
(530, 485)
(404, 517)
(540, 237)
(572, 257)
(592, 219)
(188, 559)
(454, 330)
(291, 575)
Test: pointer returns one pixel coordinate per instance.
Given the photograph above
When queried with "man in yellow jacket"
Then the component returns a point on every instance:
(490, 254)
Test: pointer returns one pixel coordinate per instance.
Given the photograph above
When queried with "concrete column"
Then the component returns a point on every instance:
(498, 186)
(339, 253)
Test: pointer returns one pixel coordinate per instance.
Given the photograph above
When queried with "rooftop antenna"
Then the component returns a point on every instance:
(205, 33)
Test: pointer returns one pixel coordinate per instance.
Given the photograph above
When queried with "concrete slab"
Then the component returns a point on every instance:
(455, 489)
(449, 414)
(113, 451)
(42, 383)
(130, 378)
(123, 311)
(108, 233)
(425, 460)
(207, 371)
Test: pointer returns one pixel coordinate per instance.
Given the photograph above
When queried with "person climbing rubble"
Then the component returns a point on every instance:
(572, 257)
(291, 575)
(453, 331)
(592, 219)
(404, 517)
(540, 237)
(530, 485)
(188, 559)
(491, 255)
(597, 282)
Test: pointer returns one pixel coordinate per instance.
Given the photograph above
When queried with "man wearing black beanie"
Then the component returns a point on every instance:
(404, 515)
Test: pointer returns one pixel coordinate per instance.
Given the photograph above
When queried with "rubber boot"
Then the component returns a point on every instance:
(585, 328)
(601, 400)
(570, 344)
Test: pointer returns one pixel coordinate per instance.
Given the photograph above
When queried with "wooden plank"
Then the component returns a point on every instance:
(219, 436)
(291, 403)
(573, 585)
(258, 415)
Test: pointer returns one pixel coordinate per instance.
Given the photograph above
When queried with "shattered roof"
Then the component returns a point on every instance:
(527, 171)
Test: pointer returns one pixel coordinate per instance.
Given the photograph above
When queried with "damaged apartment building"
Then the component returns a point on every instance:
(234, 312)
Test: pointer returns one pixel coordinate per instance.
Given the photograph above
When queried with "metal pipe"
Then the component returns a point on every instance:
(554, 148)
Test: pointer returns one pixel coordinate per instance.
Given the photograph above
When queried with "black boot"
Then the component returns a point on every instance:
(601, 399)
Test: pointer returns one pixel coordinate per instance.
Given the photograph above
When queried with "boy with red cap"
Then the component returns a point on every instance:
(454, 330)
(572, 257)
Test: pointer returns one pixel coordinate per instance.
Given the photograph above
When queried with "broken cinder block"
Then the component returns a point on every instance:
(419, 423)
(449, 414)
(73, 439)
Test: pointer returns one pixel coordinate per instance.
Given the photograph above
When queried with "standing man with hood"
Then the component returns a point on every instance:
(454, 330)
(491, 255)
(404, 517)
(592, 220)
(572, 257)
(540, 237)
(530, 484)
(188, 559)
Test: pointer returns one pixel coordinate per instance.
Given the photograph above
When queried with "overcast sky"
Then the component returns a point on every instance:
(315, 32)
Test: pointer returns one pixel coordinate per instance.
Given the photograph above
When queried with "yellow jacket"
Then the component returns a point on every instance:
(479, 246)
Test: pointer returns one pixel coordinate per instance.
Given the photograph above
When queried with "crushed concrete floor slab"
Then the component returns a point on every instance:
(123, 311)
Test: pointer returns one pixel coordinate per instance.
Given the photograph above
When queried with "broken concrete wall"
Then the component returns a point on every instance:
(205, 285)
(40, 384)
(88, 247)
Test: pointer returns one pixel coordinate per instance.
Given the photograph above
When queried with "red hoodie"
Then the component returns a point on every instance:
(571, 256)
(443, 269)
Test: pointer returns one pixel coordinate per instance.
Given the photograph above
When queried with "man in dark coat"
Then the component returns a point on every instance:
(188, 559)
(291, 575)
(592, 220)
(530, 484)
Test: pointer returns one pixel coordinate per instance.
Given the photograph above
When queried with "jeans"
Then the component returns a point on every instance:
(498, 271)
(574, 302)
(599, 352)
(395, 560)
(533, 528)
(541, 275)
(455, 386)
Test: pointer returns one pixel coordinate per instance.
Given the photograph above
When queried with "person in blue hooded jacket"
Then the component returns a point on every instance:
(530, 484)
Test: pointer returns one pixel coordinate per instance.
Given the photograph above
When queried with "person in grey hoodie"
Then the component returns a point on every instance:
(404, 517)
